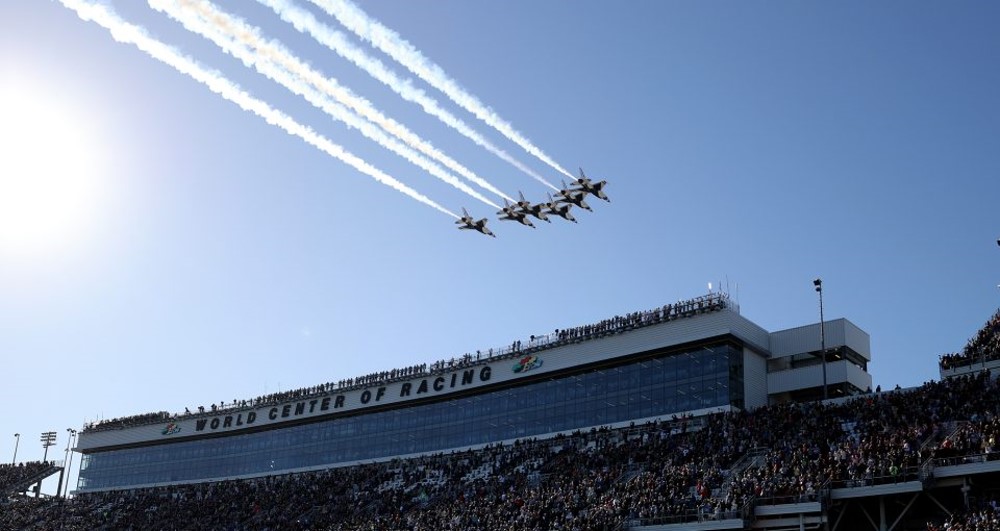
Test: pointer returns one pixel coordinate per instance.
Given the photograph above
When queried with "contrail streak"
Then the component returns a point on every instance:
(390, 42)
(127, 33)
(271, 59)
(336, 41)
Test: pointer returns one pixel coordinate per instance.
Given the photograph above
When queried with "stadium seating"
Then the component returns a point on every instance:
(717, 468)
(982, 347)
(18, 477)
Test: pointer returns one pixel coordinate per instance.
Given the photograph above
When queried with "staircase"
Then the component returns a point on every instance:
(22, 486)
(753, 458)
(943, 433)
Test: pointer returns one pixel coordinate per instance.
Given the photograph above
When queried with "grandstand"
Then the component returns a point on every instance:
(18, 477)
(982, 352)
(746, 447)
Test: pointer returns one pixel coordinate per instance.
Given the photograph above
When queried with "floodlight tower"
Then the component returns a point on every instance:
(818, 283)
(48, 439)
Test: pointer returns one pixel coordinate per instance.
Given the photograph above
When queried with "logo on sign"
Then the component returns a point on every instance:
(527, 363)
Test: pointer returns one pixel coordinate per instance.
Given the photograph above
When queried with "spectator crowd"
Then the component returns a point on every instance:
(985, 517)
(713, 467)
(14, 475)
(982, 347)
(685, 469)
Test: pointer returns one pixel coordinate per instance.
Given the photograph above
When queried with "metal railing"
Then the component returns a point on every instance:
(701, 514)
(750, 459)
(964, 459)
(909, 473)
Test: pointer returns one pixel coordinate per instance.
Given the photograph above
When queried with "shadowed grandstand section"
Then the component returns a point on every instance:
(902, 457)
(18, 478)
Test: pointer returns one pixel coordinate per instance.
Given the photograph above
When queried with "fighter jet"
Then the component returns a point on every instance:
(589, 187)
(510, 212)
(553, 207)
(573, 197)
(535, 210)
(468, 223)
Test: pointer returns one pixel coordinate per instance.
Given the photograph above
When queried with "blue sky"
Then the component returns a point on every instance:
(215, 257)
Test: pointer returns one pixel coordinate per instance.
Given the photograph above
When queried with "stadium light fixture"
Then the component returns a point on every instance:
(48, 439)
(17, 440)
(818, 284)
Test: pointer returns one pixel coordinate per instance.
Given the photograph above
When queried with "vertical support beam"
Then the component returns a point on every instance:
(59, 485)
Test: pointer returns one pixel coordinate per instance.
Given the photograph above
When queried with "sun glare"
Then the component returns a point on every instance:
(48, 171)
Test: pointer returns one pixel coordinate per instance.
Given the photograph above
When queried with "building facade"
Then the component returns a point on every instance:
(692, 358)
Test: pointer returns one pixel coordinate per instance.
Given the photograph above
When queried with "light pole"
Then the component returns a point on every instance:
(69, 460)
(65, 470)
(17, 440)
(982, 351)
(48, 439)
(818, 283)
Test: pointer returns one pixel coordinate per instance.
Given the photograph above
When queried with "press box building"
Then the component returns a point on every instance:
(690, 358)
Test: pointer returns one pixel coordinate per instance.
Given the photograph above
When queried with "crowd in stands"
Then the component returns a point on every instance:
(685, 469)
(984, 346)
(706, 303)
(12, 475)
(986, 517)
(711, 467)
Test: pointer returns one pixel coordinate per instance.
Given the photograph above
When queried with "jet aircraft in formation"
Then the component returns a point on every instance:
(537, 210)
(592, 188)
(573, 196)
(512, 213)
(560, 206)
(561, 210)
(468, 223)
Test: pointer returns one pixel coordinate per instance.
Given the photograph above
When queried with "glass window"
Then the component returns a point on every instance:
(662, 384)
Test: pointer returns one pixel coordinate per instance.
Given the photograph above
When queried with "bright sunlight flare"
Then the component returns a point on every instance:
(49, 170)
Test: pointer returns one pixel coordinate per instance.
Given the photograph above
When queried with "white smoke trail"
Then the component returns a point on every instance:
(390, 42)
(128, 33)
(244, 41)
(336, 41)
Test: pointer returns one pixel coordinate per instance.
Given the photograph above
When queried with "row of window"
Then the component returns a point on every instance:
(650, 387)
